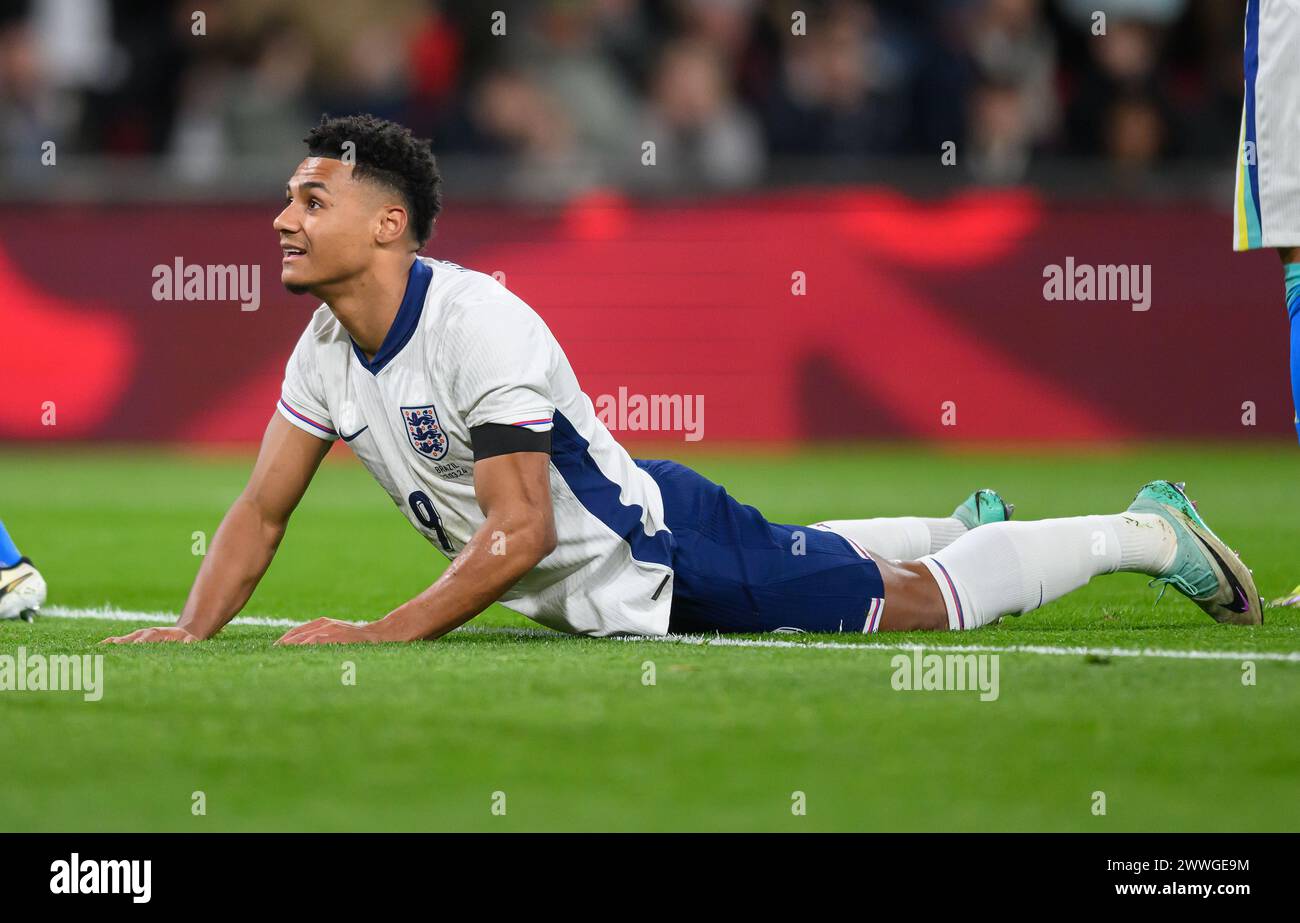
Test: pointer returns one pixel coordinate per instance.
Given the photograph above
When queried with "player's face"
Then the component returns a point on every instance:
(325, 228)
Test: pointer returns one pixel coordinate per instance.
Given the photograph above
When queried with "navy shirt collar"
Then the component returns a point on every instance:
(404, 324)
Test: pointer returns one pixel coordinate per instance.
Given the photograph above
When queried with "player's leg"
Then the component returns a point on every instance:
(1266, 203)
(22, 589)
(1291, 271)
(9, 554)
(906, 538)
(1012, 568)
(1015, 567)
(734, 571)
(915, 602)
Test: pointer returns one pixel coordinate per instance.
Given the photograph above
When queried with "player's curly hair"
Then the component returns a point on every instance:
(388, 153)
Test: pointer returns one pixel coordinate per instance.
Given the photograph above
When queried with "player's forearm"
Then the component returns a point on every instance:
(492, 562)
(239, 555)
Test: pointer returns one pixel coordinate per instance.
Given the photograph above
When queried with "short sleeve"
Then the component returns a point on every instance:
(302, 396)
(502, 355)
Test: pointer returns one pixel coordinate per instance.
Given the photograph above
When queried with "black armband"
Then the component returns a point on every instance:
(491, 439)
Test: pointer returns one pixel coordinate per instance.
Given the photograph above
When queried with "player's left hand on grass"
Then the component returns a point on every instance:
(329, 631)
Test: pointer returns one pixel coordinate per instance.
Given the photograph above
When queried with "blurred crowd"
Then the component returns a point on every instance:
(559, 96)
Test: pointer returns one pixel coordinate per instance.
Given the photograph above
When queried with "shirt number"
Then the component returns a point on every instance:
(428, 516)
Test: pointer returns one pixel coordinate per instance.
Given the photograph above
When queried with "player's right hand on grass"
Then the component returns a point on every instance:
(153, 634)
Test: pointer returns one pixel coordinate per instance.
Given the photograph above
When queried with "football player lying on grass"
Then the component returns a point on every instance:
(461, 404)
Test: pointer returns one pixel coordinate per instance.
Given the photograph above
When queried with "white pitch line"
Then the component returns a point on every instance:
(110, 614)
(118, 615)
(1039, 649)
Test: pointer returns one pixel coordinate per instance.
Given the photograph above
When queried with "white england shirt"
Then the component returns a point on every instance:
(463, 351)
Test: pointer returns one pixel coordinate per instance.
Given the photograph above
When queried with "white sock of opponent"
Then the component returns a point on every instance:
(1007, 568)
(898, 538)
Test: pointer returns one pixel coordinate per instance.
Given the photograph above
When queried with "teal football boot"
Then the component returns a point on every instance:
(982, 507)
(1205, 570)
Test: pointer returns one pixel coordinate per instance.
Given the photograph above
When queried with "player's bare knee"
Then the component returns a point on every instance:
(912, 598)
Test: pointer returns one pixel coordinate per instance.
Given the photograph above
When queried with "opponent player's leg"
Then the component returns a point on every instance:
(1015, 567)
(9, 553)
(22, 589)
(1291, 270)
(906, 538)
(1266, 212)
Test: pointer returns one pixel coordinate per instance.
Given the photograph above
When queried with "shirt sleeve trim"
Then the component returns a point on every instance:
(306, 419)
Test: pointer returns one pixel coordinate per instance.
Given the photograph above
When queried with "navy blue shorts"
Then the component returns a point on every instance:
(735, 571)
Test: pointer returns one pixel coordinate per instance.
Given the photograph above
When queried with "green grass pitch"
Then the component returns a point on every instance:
(565, 727)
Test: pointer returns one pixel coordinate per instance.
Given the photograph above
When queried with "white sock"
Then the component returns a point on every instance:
(897, 538)
(1007, 568)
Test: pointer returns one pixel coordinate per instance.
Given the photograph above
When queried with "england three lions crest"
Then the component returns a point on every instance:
(424, 431)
